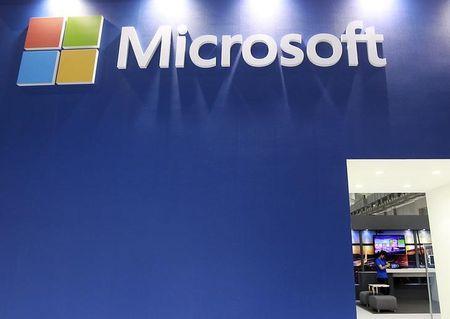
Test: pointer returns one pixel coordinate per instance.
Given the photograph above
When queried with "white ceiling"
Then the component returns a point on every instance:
(397, 176)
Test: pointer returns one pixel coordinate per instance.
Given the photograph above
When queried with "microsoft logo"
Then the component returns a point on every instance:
(61, 51)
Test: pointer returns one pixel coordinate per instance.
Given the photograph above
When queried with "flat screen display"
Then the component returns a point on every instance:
(392, 244)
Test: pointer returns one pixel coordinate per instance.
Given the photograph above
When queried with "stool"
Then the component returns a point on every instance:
(364, 298)
(383, 302)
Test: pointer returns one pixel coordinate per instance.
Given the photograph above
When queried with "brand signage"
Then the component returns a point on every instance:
(291, 55)
(61, 51)
(65, 51)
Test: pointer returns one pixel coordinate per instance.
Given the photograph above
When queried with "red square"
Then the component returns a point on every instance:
(44, 34)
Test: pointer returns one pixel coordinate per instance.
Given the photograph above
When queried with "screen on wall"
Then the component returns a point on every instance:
(393, 244)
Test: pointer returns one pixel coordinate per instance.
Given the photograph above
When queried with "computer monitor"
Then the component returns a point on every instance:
(392, 244)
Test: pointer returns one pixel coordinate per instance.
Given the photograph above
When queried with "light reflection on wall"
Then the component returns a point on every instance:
(171, 11)
(446, 16)
(264, 9)
(265, 14)
(66, 8)
(377, 8)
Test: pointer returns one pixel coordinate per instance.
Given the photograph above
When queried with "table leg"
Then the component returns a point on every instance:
(391, 286)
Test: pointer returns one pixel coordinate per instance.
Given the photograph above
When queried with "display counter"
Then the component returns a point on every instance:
(395, 278)
(411, 272)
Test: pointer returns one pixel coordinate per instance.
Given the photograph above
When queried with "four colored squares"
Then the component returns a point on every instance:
(61, 51)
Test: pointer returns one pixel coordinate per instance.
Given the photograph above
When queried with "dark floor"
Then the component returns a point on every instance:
(412, 299)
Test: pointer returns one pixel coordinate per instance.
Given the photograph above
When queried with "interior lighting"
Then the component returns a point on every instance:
(172, 10)
(66, 8)
(264, 11)
(376, 6)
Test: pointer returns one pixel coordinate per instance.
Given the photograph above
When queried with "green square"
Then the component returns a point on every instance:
(83, 32)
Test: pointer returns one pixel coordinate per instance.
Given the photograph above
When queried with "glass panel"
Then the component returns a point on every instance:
(356, 256)
(421, 256)
(431, 281)
(424, 237)
(409, 236)
(367, 236)
(355, 237)
(357, 264)
(369, 257)
(411, 253)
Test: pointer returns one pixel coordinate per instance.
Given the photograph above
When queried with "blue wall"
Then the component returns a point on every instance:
(206, 193)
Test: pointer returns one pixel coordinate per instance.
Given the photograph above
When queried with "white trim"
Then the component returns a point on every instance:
(63, 31)
(43, 49)
(55, 72)
(94, 73)
(74, 83)
(100, 32)
(80, 47)
(37, 84)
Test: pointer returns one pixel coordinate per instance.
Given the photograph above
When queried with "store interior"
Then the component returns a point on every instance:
(398, 224)
(398, 211)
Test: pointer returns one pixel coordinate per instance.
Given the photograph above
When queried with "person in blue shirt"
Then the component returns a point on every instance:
(382, 265)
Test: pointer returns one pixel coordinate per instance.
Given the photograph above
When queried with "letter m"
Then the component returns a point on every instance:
(162, 38)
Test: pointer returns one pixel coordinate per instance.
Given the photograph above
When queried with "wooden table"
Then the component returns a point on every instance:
(374, 288)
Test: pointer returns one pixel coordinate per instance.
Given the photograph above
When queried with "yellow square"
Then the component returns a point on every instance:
(77, 67)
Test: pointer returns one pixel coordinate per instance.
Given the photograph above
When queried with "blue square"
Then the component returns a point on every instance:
(38, 68)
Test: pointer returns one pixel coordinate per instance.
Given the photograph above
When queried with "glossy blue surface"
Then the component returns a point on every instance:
(206, 194)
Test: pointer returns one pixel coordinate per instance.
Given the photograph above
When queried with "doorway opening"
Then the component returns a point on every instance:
(398, 210)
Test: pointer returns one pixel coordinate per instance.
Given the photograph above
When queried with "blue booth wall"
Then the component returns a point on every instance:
(220, 193)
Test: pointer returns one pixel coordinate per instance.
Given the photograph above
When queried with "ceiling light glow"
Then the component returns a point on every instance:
(66, 8)
(173, 10)
(376, 6)
(264, 11)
